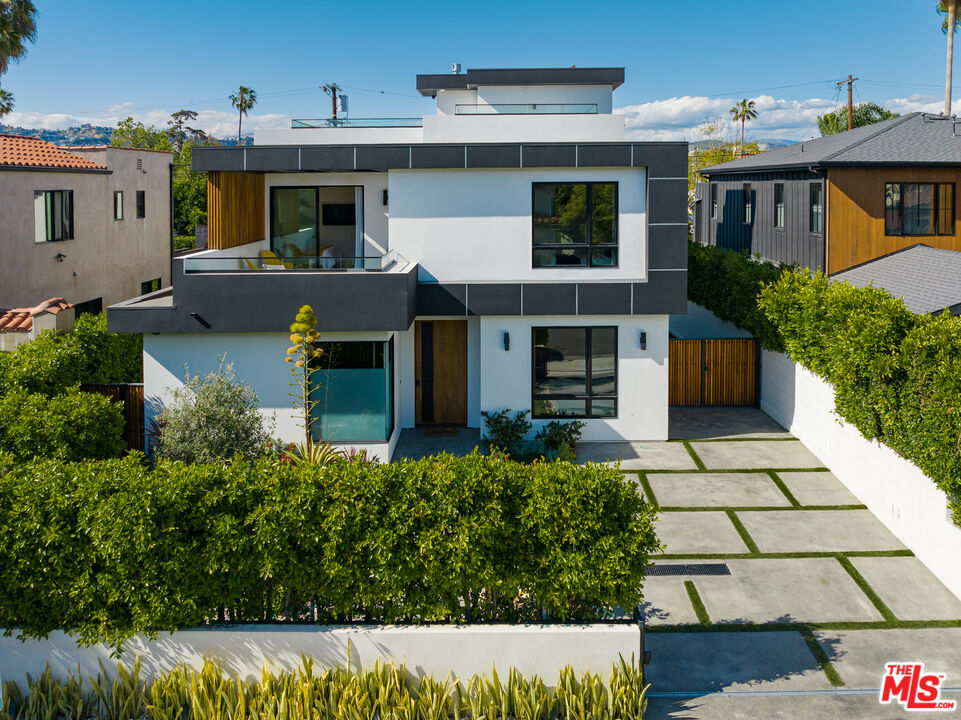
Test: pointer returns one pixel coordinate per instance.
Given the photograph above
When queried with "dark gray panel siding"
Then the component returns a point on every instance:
(794, 244)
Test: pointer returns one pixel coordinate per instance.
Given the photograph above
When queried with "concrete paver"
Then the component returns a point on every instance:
(818, 488)
(706, 423)
(818, 531)
(716, 490)
(859, 655)
(750, 454)
(711, 662)
(790, 590)
(698, 532)
(666, 602)
(638, 455)
(909, 589)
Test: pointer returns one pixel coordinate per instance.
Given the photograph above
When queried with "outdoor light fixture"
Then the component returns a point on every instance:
(507, 341)
(385, 197)
(643, 340)
(60, 257)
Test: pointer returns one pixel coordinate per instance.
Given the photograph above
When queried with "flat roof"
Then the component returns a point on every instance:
(429, 85)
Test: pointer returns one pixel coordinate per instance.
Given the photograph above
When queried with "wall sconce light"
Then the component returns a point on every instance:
(507, 341)
(60, 257)
(385, 198)
(643, 340)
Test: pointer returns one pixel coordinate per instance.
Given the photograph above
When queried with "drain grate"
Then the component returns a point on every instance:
(676, 569)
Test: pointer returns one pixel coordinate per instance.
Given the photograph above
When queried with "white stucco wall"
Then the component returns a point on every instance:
(475, 225)
(438, 649)
(258, 360)
(898, 493)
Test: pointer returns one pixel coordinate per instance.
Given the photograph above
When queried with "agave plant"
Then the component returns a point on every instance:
(315, 454)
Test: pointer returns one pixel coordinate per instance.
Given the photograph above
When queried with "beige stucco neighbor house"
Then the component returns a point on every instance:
(91, 225)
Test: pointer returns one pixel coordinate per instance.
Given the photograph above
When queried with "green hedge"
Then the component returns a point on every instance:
(896, 375)
(108, 549)
(727, 284)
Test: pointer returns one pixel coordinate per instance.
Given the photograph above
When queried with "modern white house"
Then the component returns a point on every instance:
(513, 250)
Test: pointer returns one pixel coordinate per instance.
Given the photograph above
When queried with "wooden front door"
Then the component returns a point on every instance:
(440, 372)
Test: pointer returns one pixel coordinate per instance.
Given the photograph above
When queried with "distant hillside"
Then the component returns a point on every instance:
(84, 135)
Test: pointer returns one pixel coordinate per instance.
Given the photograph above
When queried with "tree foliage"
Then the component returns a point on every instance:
(302, 355)
(865, 113)
(243, 101)
(712, 150)
(109, 549)
(18, 26)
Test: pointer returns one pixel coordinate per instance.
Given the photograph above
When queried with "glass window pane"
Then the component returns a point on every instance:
(604, 256)
(293, 218)
(604, 407)
(892, 209)
(946, 209)
(352, 393)
(603, 361)
(549, 257)
(560, 213)
(67, 214)
(779, 205)
(603, 220)
(560, 361)
(560, 408)
(748, 202)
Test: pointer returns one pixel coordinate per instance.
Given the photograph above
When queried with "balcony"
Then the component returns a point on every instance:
(527, 109)
(355, 122)
(213, 262)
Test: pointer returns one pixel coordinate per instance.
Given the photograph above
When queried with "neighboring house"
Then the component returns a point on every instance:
(927, 279)
(513, 250)
(88, 224)
(841, 200)
(23, 324)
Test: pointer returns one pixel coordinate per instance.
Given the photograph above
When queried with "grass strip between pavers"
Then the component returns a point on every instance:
(866, 588)
(780, 627)
(800, 555)
(720, 471)
(822, 657)
(757, 508)
(737, 439)
(697, 461)
(648, 490)
(742, 531)
(697, 603)
(783, 488)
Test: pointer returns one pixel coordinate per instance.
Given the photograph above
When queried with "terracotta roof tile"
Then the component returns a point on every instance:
(21, 319)
(23, 151)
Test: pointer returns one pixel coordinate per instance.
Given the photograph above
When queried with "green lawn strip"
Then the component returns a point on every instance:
(781, 555)
(822, 657)
(697, 603)
(783, 488)
(742, 531)
(866, 588)
(697, 461)
(648, 490)
(757, 508)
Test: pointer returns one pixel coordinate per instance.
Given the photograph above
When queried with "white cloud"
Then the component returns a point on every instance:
(680, 118)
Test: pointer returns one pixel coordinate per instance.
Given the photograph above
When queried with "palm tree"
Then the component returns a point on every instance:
(6, 102)
(244, 99)
(18, 26)
(742, 111)
(948, 8)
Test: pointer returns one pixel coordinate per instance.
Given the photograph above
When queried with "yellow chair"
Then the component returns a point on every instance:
(250, 264)
(272, 261)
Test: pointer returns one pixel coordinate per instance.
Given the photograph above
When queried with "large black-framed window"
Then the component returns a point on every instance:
(574, 372)
(919, 209)
(779, 206)
(816, 208)
(748, 199)
(53, 215)
(574, 224)
(141, 204)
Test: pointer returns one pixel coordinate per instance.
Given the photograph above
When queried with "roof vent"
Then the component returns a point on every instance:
(140, 164)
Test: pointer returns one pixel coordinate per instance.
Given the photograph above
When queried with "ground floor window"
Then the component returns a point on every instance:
(575, 372)
(354, 392)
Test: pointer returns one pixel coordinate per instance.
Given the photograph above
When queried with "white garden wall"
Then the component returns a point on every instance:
(898, 493)
(244, 650)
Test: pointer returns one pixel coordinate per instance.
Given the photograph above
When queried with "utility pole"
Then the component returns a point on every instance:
(332, 89)
(850, 83)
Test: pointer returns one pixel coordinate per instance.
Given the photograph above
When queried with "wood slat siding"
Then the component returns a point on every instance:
(855, 197)
(794, 244)
(131, 395)
(713, 372)
(235, 209)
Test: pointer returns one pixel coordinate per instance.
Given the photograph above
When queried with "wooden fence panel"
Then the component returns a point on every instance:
(713, 372)
(131, 395)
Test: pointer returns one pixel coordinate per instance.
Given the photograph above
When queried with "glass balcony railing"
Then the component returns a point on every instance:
(356, 122)
(527, 109)
(292, 263)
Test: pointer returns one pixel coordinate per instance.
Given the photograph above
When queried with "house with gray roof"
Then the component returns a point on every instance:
(842, 200)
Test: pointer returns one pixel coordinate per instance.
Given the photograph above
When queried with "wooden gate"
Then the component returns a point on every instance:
(713, 372)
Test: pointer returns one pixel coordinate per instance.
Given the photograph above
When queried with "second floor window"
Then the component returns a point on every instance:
(141, 204)
(748, 203)
(575, 224)
(779, 205)
(817, 208)
(919, 209)
(118, 205)
(53, 215)
(713, 201)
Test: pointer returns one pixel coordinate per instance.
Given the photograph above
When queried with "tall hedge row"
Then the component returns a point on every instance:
(108, 549)
(896, 375)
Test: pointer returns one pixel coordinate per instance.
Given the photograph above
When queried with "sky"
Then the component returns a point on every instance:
(685, 62)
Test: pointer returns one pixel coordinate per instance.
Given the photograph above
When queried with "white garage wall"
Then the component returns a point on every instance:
(642, 375)
(898, 493)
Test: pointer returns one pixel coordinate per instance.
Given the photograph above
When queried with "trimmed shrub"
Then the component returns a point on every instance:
(111, 357)
(212, 417)
(110, 549)
(505, 431)
(71, 426)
